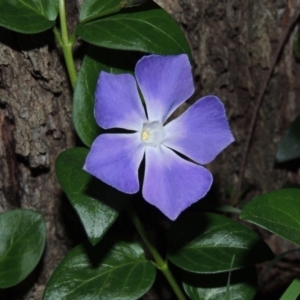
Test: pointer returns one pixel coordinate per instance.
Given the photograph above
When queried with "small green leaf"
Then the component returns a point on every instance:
(22, 241)
(289, 147)
(276, 211)
(206, 243)
(149, 30)
(296, 45)
(28, 16)
(110, 270)
(92, 9)
(95, 60)
(214, 286)
(97, 204)
(293, 291)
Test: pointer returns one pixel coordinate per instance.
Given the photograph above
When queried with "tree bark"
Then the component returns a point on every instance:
(233, 44)
(35, 126)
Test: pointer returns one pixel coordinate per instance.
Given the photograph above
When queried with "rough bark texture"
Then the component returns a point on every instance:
(233, 43)
(35, 126)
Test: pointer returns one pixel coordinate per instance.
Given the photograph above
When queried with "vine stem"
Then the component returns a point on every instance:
(66, 43)
(161, 264)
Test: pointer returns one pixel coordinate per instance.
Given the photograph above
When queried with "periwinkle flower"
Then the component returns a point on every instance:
(171, 183)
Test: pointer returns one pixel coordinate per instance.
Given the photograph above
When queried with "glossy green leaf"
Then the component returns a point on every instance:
(28, 16)
(150, 30)
(22, 241)
(95, 60)
(107, 271)
(206, 243)
(289, 147)
(214, 286)
(276, 211)
(92, 9)
(97, 204)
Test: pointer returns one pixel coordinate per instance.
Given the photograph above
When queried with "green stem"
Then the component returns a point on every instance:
(160, 263)
(228, 209)
(66, 44)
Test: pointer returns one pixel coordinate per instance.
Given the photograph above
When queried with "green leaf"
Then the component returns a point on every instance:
(95, 60)
(214, 286)
(28, 16)
(206, 243)
(110, 270)
(289, 147)
(22, 241)
(97, 204)
(151, 30)
(92, 9)
(296, 45)
(293, 291)
(276, 211)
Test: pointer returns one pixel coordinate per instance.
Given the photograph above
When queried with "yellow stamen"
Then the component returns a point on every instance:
(145, 135)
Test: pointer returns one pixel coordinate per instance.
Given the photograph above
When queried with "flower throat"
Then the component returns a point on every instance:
(153, 133)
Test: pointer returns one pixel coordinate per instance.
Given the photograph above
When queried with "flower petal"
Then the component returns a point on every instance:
(172, 183)
(201, 132)
(165, 82)
(115, 159)
(118, 103)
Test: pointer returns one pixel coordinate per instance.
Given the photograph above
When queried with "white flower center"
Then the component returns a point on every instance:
(153, 133)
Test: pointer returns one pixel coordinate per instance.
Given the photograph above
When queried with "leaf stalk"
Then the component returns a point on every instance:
(66, 43)
(161, 264)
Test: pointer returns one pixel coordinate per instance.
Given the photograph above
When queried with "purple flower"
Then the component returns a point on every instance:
(171, 183)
